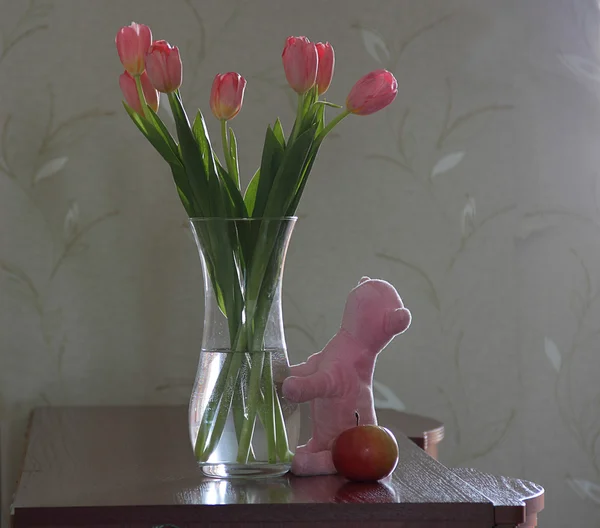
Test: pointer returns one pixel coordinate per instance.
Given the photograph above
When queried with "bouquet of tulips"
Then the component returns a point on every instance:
(240, 265)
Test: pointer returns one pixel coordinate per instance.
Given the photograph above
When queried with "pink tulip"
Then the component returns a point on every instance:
(326, 63)
(300, 62)
(129, 89)
(372, 92)
(163, 65)
(132, 44)
(227, 94)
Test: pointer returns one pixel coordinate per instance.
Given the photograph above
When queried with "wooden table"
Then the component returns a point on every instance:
(133, 467)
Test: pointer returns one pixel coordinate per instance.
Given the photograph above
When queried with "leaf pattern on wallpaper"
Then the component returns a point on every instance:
(540, 222)
(438, 291)
(552, 353)
(72, 243)
(431, 289)
(453, 335)
(585, 489)
(467, 217)
(585, 70)
(5, 166)
(581, 416)
(50, 161)
(532, 224)
(52, 326)
(451, 125)
(404, 160)
(388, 51)
(59, 136)
(200, 44)
(31, 21)
(577, 304)
(475, 227)
(24, 282)
(312, 330)
(386, 398)
(50, 168)
(71, 223)
(375, 45)
(447, 163)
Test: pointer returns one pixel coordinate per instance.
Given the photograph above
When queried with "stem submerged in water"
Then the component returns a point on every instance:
(245, 387)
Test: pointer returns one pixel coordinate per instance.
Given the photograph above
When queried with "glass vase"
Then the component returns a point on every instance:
(240, 425)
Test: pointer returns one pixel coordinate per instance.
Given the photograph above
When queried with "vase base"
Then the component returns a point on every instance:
(252, 471)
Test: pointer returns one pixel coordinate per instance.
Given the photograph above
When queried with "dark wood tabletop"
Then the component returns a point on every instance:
(133, 467)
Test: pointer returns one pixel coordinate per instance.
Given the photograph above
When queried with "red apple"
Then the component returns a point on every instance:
(365, 453)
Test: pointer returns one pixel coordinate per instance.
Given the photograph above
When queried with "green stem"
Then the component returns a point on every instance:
(253, 401)
(283, 448)
(138, 85)
(211, 426)
(257, 389)
(269, 423)
(330, 126)
(225, 403)
(258, 316)
(239, 404)
(226, 151)
(299, 117)
(210, 410)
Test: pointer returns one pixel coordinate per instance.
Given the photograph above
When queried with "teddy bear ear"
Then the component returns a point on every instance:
(364, 279)
(398, 321)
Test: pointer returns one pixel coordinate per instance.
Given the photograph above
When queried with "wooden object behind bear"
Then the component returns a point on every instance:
(426, 432)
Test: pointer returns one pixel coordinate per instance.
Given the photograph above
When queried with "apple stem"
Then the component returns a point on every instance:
(357, 417)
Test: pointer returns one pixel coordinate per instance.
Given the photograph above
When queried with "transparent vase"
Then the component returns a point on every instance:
(240, 425)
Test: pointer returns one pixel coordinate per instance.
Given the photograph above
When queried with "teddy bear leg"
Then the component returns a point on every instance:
(319, 463)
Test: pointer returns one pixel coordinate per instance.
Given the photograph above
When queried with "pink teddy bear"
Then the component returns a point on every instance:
(338, 380)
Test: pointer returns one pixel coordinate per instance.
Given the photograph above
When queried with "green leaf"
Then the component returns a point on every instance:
(233, 152)
(217, 192)
(279, 134)
(184, 190)
(235, 196)
(291, 211)
(313, 115)
(153, 135)
(320, 119)
(192, 157)
(203, 232)
(309, 110)
(310, 99)
(250, 196)
(272, 157)
(289, 175)
(310, 159)
(201, 135)
(164, 131)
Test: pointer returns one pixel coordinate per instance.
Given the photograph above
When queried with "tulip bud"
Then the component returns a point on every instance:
(300, 62)
(227, 95)
(163, 65)
(129, 89)
(372, 92)
(325, 69)
(132, 44)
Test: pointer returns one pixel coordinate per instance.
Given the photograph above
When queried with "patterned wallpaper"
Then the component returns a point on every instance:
(477, 194)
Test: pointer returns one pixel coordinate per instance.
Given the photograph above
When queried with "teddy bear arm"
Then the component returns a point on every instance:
(305, 369)
(303, 389)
